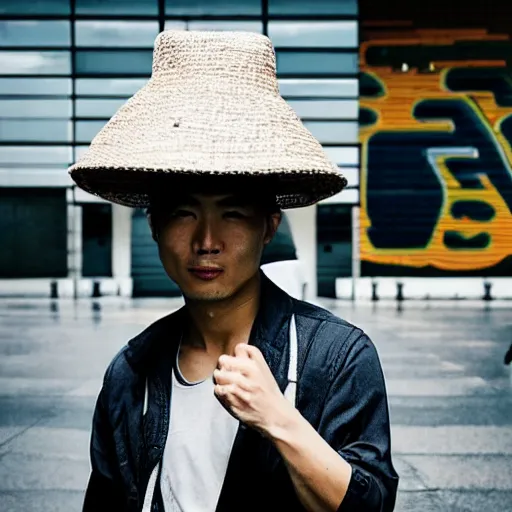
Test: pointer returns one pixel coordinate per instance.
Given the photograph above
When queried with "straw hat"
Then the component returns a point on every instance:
(211, 108)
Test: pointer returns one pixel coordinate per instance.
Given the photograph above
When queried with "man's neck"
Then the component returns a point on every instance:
(218, 327)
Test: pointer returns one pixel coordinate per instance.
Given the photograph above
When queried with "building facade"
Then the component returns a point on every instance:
(67, 65)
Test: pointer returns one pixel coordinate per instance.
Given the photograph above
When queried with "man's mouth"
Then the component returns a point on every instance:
(206, 273)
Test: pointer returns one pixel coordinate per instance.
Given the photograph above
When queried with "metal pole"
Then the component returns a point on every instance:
(356, 254)
(75, 246)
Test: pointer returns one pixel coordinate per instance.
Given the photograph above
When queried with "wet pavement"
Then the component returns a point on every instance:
(450, 396)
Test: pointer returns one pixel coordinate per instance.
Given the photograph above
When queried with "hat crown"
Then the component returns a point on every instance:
(221, 59)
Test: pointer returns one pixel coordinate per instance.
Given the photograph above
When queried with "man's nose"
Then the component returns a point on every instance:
(206, 239)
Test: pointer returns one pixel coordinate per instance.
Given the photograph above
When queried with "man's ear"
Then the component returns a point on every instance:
(154, 233)
(273, 221)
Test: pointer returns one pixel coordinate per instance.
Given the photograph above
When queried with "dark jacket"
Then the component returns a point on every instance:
(341, 392)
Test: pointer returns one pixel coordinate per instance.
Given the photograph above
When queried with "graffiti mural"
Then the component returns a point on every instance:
(436, 138)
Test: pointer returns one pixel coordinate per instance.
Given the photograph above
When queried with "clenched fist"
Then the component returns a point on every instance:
(246, 387)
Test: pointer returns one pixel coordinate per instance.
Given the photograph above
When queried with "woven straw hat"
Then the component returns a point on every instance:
(211, 108)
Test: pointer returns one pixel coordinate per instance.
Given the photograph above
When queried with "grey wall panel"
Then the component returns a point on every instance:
(334, 247)
(149, 277)
(97, 240)
(33, 233)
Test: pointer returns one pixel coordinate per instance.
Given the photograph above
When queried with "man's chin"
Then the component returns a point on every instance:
(206, 295)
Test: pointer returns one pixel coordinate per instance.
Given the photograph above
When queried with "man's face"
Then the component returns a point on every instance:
(211, 245)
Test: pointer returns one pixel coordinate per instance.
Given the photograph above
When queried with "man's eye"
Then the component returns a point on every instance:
(181, 213)
(234, 214)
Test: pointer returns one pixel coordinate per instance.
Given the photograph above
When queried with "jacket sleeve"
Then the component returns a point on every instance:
(356, 420)
(104, 492)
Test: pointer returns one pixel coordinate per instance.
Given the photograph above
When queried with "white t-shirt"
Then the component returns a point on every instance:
(198, 447)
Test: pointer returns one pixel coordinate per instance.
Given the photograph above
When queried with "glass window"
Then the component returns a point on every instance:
(98, 107)
(35, 63)
(336, 132)
(35, 108)
(351, 173)
(212, 7)
(123, 87)
(331, 109)
(38, 155)
(125, 7)
(35, 130)
(307, 7)
(132, 63)
(343, 155)
(317, 63)
(80, 151)
(116, 33)
(327, 87)
(349, 196)
(175, 25)
(330, 34)
(87, 130)
(245, 26)
(35, 33)
(34, 7)
(35, 86)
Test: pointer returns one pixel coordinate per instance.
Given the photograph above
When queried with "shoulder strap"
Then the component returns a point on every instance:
(291, 389)
(148, 498)
(145, 409)
(150, 490)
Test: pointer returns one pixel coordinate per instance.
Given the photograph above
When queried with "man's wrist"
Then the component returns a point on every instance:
(285, 424)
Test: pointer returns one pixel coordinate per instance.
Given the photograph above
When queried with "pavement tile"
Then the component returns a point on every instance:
(16, 411)
(20, 472)
(75, 417)
(460, 415)
(452, 440)
(89, 388)
(421, 501)
(7, 433)
(439, 370)
(410, 479)
(51, 442)
(456, 472)
(459, 386)
(476, 501)
(41, 501)
(471, 402)
(19, 386)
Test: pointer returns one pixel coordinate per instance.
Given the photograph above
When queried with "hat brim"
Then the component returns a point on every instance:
(135, 187)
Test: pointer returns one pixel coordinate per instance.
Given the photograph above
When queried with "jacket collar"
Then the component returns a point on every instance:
(274, 311)
(162, 334)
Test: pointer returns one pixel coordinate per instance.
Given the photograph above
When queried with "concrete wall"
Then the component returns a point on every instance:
(121, 248)
(303, 226)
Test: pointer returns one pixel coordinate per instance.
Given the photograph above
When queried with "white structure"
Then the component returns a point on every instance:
(405, 288)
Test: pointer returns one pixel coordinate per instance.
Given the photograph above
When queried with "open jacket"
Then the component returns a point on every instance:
(340, 391)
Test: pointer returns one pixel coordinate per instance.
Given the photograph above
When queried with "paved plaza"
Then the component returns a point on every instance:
(450, 396)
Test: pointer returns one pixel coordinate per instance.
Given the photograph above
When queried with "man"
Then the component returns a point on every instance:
(244, 399)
